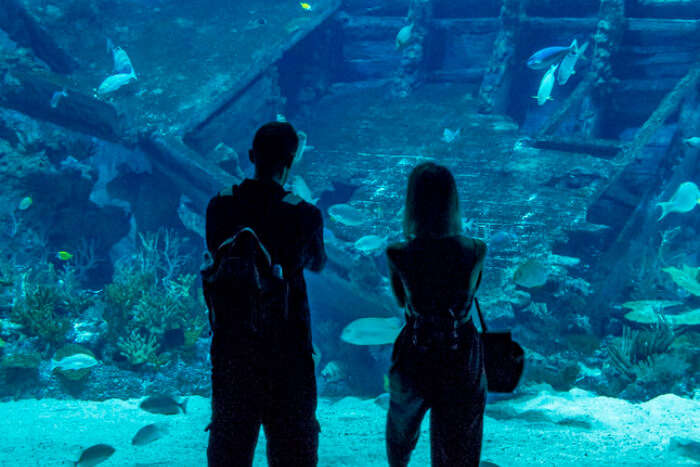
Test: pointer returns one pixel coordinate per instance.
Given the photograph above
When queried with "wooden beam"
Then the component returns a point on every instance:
(494, 93)
(193, 174)
(32, 94)
(23, 29)
(206, 113)
(582, 90)
(602, 148)
(668, 106)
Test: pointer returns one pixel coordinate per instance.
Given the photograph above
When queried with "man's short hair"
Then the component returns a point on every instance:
(274, 146)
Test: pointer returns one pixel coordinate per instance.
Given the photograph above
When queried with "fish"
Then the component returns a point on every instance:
(306, 6)
(301, 147)
(546, 85)
(568, 63)
(544, 58)
(371, 245)
(302, 190)
(333, 372)
(162, 404)
(501, 240)
(403, 36)
(531, 273)
(686, 197)
(63, 255)
(25, 203)
(122, 62)
(78, 361)
(56, 97)
(114, 82)
(347, 215)
(149, 433)
(450, 135)
(693, 142)
(372, 331)
(94, 455)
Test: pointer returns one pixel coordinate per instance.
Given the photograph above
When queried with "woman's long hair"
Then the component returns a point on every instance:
(432, 203)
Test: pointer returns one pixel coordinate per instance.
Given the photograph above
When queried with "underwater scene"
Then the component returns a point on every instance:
(572, 130)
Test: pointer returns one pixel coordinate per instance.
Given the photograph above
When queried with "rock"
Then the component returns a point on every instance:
(520, 299)
(686, 447)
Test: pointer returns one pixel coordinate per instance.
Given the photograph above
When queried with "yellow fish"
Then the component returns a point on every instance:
(25, 203)
(305, 6)
(63, 255)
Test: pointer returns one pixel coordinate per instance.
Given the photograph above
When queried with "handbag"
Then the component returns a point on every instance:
(504, 359)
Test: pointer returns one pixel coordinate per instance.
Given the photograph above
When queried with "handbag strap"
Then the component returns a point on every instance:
(481, 317)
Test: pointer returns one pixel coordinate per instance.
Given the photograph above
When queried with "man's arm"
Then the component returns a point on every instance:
(212, 224)
(315, 251)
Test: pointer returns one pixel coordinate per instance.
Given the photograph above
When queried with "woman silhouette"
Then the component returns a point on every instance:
(437, 361)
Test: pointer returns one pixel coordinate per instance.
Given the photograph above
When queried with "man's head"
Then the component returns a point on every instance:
(274, 147)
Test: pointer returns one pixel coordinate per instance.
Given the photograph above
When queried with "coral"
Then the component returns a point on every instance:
(85, 259)
(139, 349)
(25, 361)
(167, 307)
(161, 253)
(636, 348)
(686, 278)
(35, 309)
(149, 297)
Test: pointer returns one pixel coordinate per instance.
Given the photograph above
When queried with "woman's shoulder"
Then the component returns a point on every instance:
(394, 250)
(472, 244)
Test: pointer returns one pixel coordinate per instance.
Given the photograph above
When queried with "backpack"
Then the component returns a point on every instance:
(244, 290)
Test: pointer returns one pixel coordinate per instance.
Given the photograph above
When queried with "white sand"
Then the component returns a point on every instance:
(49, 432)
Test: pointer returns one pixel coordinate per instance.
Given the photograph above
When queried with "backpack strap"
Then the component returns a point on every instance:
(484, 329)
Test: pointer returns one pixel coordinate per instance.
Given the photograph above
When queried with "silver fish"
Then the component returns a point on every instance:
(56, 97)
(546, 85)
(78, 361)
(546, 57)
(567, 65)
(372, 331)
(114, 82)
(95, 455)
(165, 405)
(149, 434)
(347, 215)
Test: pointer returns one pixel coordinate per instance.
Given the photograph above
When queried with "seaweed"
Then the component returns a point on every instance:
(138, 348)
(635, 353)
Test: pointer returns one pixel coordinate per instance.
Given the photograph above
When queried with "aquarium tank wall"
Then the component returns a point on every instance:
(573, 133)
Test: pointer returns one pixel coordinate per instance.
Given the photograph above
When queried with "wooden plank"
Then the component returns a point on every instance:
(194, 175)
(23, 29)
(32, 95)
(603, 148)
(210, 109)
(668, 106)
(582, 90)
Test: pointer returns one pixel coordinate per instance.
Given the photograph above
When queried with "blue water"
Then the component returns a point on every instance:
(121, 119)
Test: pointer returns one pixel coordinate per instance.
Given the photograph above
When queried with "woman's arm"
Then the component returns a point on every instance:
(396, 282)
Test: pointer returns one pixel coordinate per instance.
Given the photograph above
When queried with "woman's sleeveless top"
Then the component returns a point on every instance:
(436, 274)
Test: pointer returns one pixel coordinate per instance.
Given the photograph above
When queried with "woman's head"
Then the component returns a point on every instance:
(432, 204)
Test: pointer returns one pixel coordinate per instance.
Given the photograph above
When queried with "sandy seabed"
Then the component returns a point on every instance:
(572, 428)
